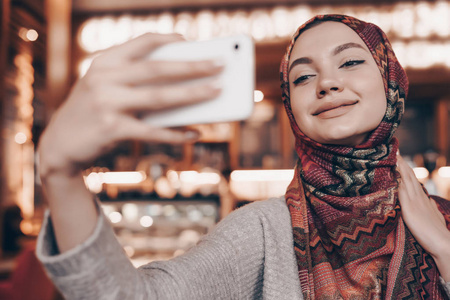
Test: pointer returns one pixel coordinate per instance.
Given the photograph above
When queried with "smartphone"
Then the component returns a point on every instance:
(234, 103)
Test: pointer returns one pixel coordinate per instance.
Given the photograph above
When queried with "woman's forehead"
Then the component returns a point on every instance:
(323, 39)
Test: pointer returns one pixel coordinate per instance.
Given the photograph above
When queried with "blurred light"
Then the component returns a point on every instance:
(258, 96)
(421, 173)
(430, 53)
(20, 138)
(129, 250)
(194, 215)
(417, 20)
(130, 211)
(87, 37)
(441, 18)
(208, 210)
(95, 180)
(84, 66)
(172, 176)
(280, 17)
(199, 178)
(146, 221)
(262, 175)
(26, 227)
(169, 210)
(261, 25)
(32, 35)
(183, 24)
(205, 23)
(107, 209)
(164, 188)
(123, 177)
(115, 217)
(28, 35)
(403, 20)
(165, 23)
(444, 172)
(154, 209)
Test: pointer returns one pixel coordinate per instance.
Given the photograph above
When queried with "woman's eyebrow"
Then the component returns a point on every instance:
(298, 61)
(336, 51)
(345, 46)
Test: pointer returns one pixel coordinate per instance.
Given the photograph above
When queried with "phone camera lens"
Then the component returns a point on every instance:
(236, 47)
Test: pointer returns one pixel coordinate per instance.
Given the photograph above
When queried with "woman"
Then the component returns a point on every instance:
(349, 226)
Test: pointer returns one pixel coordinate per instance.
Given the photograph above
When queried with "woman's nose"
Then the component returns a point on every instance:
(327, 84)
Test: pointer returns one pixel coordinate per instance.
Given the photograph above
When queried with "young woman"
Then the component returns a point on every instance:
(354, 222)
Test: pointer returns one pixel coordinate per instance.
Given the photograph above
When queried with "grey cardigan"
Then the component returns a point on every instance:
(248, 255)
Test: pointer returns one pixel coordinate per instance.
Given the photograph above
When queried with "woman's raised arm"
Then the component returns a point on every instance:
(101, 111)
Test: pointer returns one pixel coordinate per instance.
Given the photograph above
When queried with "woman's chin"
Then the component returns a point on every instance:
(342, 139)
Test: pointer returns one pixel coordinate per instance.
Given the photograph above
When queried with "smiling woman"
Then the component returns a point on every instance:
(354, 222)
(344, 93)
(337, 92)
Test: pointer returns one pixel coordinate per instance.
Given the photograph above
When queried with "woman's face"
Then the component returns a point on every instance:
(336, 90)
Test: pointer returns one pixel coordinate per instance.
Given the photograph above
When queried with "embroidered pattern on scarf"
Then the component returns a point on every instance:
(349, 237)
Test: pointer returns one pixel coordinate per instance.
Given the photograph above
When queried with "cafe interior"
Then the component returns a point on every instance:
(161, 198)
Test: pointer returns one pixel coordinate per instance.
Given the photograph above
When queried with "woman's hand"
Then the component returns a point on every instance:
(423, 218)
(101, 108)
(100, 112)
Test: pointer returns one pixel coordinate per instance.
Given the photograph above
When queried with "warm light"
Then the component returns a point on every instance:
(444, 172)
(95, 180)
(26, 227)
(169, 210)
(130, 211)
(155, 209)
(20, 138)
(123, 177)
(28, 35)
(146, 221)
(421, 173)
(199, 178)
(417, 24)
(115, 217)
(262, 175)
(258, 96)
(32, 35)
(84, 66)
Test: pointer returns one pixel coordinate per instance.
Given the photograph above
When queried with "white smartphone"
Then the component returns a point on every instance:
(234, 103)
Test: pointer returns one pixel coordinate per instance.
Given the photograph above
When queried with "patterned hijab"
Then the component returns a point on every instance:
(349, 237)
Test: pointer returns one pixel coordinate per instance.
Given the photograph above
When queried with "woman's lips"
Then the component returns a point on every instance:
(334, 109)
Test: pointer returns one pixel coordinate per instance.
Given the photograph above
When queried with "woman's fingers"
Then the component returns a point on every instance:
(408, 178)
(135, 48)
(152, 98)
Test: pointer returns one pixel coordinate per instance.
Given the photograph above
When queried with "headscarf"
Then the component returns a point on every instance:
(349, 237)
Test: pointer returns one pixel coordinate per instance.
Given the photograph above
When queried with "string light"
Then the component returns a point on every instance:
(414, 21)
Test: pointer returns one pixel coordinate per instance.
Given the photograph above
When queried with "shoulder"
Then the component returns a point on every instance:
(272, 209)
(257, 219)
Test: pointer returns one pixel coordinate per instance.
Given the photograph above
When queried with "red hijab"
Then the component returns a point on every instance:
(349, 237)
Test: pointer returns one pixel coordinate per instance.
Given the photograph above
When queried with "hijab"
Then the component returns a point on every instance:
(349, 237)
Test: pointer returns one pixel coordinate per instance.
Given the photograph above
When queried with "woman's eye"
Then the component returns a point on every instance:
(351, 63)
(301, 79)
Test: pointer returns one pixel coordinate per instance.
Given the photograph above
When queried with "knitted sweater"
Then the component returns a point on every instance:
(248, 255)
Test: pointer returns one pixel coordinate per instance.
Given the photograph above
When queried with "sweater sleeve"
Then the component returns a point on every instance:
(446, 286)
(226, 264)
